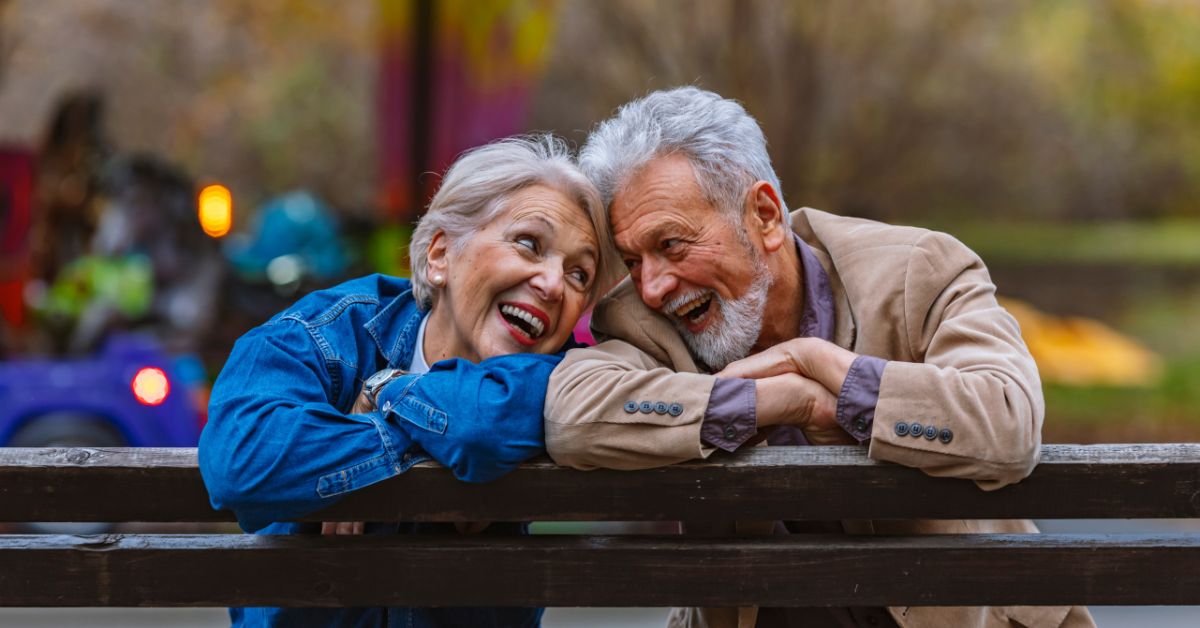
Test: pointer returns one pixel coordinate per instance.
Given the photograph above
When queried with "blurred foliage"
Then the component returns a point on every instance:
(1165, 242)
(1122, 414)
(1080, 351)
(904, 108)
(1167, 411)
(894, 109)
(263, 96)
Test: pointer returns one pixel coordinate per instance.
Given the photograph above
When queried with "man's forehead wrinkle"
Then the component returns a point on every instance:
(661, 224)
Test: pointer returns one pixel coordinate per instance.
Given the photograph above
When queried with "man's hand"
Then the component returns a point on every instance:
(797, 384)
(791, 399)
(816, 359)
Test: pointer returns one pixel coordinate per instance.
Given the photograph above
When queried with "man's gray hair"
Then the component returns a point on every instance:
(475, 189)
(724, 144)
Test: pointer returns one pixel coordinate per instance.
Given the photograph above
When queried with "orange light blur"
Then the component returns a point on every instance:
(151, 386)
(216, 210)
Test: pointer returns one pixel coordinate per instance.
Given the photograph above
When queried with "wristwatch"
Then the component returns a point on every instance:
(377, 381)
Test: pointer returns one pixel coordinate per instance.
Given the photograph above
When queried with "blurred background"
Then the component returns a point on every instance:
(172, 173)
(1060, 139)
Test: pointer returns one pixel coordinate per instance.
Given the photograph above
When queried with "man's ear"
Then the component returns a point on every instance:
(436, 257)
(767, 215)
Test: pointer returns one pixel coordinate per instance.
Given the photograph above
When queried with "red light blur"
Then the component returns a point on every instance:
(151, 386)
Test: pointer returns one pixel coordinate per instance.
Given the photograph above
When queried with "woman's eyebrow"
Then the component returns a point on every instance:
(588, 250)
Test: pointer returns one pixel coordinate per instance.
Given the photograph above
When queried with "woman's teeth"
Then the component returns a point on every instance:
(524, 321)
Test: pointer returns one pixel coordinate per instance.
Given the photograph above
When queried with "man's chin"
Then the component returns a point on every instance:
(698, 328)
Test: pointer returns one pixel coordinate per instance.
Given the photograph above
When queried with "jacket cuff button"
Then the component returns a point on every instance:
(946, 436)
(631, 406)
(901, 428)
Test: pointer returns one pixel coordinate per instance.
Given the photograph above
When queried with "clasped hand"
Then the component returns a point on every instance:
(797, 384)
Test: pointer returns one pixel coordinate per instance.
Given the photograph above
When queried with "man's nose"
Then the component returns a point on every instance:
(657, 283)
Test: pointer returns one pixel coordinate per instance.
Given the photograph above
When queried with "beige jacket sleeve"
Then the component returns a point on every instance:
(970, 374)
(618, 406)
(596, 410)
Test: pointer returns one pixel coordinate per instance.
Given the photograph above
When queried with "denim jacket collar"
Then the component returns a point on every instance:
(395, 328)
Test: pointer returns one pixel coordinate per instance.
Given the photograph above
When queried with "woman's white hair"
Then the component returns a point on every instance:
(475, 190)
(724, 144)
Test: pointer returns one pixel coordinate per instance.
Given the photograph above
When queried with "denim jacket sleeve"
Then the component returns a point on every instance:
(275, 436)
(480, 420)
(277, 446)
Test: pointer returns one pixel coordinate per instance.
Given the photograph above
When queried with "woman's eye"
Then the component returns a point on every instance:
(580, 276)
(528, 242)
(630, 263)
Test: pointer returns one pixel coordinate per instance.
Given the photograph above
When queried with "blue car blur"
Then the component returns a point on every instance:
(128, 394)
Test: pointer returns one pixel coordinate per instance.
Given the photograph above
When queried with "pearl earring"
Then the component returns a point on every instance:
(439, 280)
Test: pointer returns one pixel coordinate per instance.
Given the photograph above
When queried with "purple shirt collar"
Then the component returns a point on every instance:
(816, 313)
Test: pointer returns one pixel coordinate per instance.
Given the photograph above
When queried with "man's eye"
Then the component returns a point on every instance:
(669, 243)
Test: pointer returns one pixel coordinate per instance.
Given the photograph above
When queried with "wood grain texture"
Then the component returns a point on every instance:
(801, 570)
(1072, 481)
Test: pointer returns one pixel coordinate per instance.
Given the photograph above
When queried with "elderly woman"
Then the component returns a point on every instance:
(509, 254)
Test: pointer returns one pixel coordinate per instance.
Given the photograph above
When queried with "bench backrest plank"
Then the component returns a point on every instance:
(1072, 481)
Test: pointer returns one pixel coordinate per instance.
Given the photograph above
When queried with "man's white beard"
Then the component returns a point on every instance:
(731, 337)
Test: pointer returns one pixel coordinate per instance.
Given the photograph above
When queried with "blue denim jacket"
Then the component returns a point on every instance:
(281, 442)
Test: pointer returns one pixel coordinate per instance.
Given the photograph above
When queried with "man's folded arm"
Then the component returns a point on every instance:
(973, 407)
(612, 406)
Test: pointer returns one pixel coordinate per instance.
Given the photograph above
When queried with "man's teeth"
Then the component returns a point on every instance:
(534, 323)
(682, 310)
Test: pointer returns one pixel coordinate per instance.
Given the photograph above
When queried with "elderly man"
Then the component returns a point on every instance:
(741, 321)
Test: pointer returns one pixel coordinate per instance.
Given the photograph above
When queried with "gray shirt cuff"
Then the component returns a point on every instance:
(859, 396)
(730, 419)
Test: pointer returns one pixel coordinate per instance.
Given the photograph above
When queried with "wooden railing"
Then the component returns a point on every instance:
(818, 483)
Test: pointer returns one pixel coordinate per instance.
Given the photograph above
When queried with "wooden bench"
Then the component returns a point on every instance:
(220, 569)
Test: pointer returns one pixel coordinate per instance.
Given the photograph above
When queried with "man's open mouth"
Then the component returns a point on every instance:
(523, 321)
(693, 311)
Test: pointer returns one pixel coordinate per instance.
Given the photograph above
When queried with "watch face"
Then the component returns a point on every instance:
(380, 378)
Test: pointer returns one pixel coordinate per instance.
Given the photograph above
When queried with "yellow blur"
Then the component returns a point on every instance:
(216, 210)
(1081, 351)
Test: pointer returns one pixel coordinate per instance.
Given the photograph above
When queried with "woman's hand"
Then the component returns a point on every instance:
(337, 528)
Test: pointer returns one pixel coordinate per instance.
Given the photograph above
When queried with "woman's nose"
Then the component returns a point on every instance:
(548, 282)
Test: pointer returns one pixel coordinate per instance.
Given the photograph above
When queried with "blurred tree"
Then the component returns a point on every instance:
(895, 109)
(907, 108)
(263, 96)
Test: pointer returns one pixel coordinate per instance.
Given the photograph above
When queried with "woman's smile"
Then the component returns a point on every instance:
(525, 322)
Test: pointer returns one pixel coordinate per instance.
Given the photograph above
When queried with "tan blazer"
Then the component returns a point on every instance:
(916, 297)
